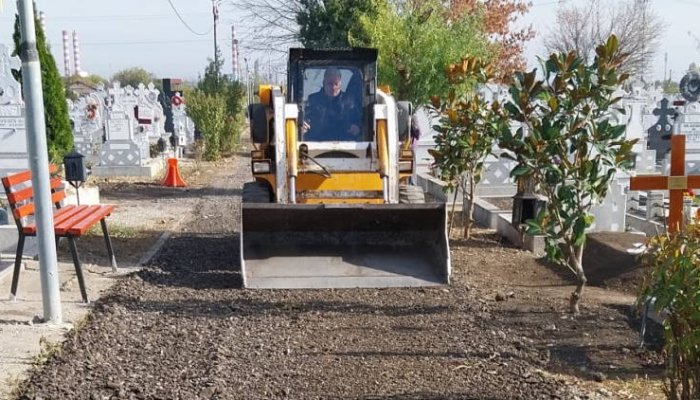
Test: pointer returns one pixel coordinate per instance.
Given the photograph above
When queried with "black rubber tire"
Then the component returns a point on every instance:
(259, 125)
(411, 194)
(404, 110)
(256, 192)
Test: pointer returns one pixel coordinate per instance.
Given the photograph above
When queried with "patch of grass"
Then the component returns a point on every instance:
(48, 351)
(635, 388)
(15, 386)
(81, 323)
(115, 231)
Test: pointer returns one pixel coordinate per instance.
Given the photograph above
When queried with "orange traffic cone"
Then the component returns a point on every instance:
(172, 176)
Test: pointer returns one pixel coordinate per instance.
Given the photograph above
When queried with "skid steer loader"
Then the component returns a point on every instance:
(331, 211)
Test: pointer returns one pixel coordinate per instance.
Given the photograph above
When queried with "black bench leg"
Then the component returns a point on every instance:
(18, 263)
(78, 268)
(108, 241)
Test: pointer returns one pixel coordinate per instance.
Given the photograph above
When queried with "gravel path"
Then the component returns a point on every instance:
(183, 329)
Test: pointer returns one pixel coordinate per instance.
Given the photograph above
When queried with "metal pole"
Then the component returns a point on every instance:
(39, 163)
(215, 10)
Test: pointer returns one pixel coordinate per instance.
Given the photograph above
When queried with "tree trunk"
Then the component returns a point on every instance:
(470, 210)
(576, 263)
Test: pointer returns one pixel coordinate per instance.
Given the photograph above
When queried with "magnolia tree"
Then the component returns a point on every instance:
(467, 130)
(568, 146)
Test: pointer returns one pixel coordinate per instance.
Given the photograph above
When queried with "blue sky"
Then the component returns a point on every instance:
(119, 34)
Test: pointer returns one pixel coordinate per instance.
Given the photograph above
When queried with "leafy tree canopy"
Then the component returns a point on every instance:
(329, 23)
(133, 76)
(415, 42)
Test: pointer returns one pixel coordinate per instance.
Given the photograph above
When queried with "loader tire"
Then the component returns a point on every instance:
(411, 194)
(259, 125)
(256, 192)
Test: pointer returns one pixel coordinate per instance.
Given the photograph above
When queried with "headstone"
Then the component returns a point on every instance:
(13, 138)
(423, 161)
(690, 126)
(122, 149)
(609, 216)
(182, 124)
(659, 132)
(495, 179)
(126, 149)
(148, 112)
(645, 159)
(88, 127)
(654, 205)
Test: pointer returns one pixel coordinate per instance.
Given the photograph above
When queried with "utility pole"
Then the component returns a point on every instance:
(644, 37)
(215, 11)
(247, 83)
(39, 163)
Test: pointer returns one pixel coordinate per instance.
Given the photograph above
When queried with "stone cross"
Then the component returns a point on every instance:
(677, 183)
(7, 62)
(662, 128)
(10, 90)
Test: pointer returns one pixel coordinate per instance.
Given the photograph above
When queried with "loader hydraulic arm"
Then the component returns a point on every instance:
(292, 157)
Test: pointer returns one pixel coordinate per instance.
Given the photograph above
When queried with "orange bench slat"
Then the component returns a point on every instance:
(60, 215)
(66, 212)
(84, 225)
(28, 192)
(56, 197)
(28, 209)
(84, 212)
(23, 211)
(15, 179)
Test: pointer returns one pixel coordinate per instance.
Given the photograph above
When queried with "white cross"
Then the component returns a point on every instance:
(7, 62)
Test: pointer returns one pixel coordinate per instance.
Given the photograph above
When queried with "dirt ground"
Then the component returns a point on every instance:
(182, 328)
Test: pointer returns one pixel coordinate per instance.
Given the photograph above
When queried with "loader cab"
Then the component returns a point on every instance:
(358, 81)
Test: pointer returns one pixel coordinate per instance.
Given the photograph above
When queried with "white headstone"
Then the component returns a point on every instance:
(182, 124)
(122, 148)
(690, 126)
(149, 112)
(610, 214)
(13, 139)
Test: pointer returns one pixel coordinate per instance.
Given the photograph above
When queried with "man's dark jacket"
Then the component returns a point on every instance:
(330, 118)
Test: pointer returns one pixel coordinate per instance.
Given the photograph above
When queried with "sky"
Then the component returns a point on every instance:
(119, 34)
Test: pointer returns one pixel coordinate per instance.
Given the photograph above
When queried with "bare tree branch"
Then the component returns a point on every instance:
(268, 25)
(583, 26)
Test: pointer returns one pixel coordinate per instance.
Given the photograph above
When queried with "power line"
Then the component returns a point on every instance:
(185, 23)
(143, 42)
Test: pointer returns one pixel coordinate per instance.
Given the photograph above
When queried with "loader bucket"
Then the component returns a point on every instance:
(343, 245)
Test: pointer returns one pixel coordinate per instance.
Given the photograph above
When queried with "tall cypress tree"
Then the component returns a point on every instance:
(58, 130)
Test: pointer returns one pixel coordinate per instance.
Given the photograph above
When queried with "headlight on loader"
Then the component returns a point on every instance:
(261, 167)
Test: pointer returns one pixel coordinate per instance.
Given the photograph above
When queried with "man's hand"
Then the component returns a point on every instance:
(305, 127)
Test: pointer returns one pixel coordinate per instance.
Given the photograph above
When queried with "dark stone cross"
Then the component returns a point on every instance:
(662, 127)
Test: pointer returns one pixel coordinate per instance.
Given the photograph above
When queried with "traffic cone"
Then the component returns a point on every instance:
(172, 176)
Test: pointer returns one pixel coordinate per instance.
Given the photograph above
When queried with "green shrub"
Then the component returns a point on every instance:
(675, 283)
(209, 115)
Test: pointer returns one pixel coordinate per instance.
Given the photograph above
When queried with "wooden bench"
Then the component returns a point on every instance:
(69, 221)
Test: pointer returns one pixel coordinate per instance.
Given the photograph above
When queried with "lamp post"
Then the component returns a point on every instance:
(215, 12)
(39, 163)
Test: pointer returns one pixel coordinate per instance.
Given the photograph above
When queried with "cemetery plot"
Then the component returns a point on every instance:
(183, 319)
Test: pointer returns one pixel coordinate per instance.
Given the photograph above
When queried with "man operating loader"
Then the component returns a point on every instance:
(331, 114)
